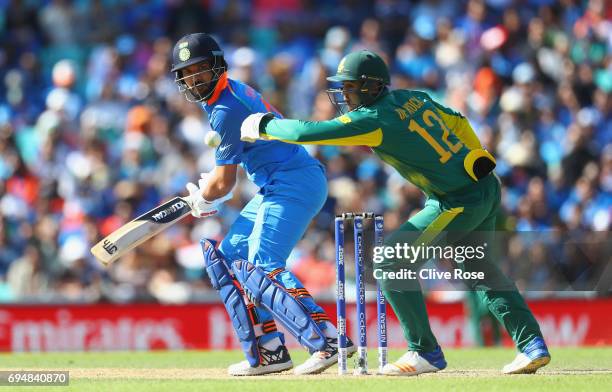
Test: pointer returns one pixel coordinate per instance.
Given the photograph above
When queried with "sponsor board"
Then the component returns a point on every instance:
(105, 327)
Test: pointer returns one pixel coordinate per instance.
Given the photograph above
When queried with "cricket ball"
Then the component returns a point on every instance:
(212, 139)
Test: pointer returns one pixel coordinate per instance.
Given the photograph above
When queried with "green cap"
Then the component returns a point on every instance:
(361, 65)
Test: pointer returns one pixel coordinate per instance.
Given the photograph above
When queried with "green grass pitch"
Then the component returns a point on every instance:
(571, 369)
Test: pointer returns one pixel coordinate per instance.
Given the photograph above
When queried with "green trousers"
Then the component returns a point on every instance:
(479, 315)
(473, 210)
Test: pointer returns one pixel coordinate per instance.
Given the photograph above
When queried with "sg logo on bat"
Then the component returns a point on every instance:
(109, 247)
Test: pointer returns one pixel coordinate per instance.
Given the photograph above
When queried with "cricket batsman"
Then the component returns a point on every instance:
(248, 267)
(436, 149)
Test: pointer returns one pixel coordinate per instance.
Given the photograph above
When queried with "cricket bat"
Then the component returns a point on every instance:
(137, 231)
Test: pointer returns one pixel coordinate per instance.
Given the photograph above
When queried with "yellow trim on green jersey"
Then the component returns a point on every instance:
(344, 119)
(438, 225)
(472, 156)
(370, 139)
(460, 126)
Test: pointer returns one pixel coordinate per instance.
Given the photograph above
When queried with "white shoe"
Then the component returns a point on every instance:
(272, 362)
(534, 356)
(322, 360)
(412, 364)
(522, 364)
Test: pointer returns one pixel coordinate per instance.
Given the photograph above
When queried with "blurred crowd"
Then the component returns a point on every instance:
(93, 131)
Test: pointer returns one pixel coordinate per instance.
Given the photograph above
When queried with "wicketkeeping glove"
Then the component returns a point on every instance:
(249, 130)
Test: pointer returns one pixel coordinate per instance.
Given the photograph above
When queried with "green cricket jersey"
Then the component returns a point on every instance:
(430, 145)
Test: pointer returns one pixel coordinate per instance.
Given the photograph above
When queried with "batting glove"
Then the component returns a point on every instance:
(249, 130)
(200, 207)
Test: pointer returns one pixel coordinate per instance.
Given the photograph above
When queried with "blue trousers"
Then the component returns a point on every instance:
(270, 226)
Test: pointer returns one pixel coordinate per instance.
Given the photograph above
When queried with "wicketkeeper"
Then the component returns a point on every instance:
(248, 268)
(436, 149)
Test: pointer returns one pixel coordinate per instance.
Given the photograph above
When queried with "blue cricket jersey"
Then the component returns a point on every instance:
(231, 103)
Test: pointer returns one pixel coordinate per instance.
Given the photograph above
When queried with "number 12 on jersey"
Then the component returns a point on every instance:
(429, 117)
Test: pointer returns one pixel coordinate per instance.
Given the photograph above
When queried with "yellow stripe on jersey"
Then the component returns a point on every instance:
(370, 139)
(344, 119)
(437, 226)
(470, 160)
(461, 127)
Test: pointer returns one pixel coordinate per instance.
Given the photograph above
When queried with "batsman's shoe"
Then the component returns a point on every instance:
(414, 363)
(319, 361)
(271, 362)
(533, 357)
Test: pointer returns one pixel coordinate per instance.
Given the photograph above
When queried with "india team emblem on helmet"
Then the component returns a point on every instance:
(184, 54)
